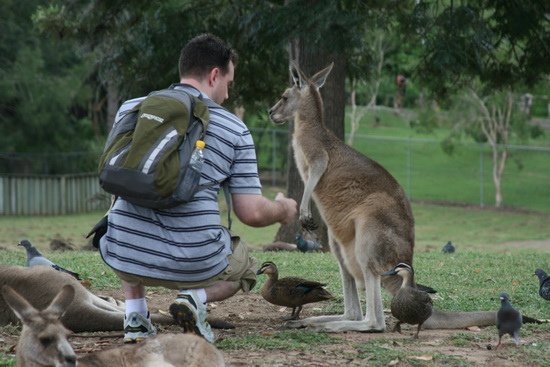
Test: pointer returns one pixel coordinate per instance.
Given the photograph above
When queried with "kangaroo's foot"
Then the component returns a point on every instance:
(316, 320)
(347, 325)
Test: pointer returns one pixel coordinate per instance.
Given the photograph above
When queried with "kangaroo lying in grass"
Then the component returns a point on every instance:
(87, 312)
(369, 218)
(43, 341)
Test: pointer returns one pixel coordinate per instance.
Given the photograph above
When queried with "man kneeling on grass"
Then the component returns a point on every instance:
(186, 248)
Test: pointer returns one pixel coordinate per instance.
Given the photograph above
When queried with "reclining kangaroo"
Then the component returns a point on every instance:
(369, 218)
(43, 341)
(87, 312)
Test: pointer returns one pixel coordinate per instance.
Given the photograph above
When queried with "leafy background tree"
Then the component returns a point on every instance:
(66, 66)
(44, 89)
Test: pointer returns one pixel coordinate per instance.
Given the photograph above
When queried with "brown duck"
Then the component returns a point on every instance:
(409, 305)
(290, 291)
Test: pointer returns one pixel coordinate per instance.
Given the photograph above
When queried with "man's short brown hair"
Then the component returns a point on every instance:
(203, 53)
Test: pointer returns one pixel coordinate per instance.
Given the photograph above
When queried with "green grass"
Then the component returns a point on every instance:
(384, 352)
(427, 173)
(470, 279)
(287, 340)
(467, 280)
(467, 227)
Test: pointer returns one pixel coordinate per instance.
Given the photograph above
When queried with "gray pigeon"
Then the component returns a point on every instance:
(544, 281)
(306, 245)
(35, 258)
(448, 248)
(509, 320)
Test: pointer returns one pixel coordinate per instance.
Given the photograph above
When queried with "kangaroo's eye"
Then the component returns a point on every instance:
(46, 341)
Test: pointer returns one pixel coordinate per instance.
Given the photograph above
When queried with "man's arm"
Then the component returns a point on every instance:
(258, 211)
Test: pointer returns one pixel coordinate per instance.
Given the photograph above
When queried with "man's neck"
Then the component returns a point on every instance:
(202, 87)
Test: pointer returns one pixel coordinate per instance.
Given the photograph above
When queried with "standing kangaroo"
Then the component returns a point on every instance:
(369, 218)
(43, 341)
(87, 312)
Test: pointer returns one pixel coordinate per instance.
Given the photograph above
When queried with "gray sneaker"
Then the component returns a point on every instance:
(190, 314)
(137, 328)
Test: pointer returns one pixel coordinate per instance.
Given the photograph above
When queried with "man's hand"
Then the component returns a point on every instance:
(259, 211)
(290, 208)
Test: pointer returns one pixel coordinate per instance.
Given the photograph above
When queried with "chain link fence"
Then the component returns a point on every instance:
(420, 165)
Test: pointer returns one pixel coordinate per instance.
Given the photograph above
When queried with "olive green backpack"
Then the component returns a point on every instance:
(146, 156)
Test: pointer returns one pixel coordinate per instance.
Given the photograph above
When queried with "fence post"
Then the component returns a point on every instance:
(63, 194)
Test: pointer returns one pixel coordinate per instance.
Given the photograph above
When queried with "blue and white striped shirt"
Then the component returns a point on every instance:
(186, 243)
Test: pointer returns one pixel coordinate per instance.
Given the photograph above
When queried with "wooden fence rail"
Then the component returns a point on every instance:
(51, 194)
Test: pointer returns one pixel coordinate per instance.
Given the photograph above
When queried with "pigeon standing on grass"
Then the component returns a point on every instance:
(544, 281)
(306, 245)
(35, 258)
(448, 248)
(509, 320)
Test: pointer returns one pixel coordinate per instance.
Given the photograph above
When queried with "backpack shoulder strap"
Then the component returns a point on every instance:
(210, 104)
(227, 195)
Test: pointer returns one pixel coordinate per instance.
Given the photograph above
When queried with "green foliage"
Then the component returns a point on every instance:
(43, 97)
(497, 41)
(7, 361)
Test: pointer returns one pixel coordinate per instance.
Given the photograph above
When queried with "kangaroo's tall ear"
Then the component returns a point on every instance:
(295, 73)
(62, 301)
(318, 80)
(19, 305)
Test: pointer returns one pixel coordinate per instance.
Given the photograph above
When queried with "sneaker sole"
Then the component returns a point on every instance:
(133, 340)
(185, 318)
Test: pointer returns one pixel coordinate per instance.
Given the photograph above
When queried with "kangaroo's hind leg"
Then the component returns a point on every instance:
(360, 260)
(366, 255)
(352, 303)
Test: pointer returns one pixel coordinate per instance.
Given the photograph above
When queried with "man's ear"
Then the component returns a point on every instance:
(213, 76)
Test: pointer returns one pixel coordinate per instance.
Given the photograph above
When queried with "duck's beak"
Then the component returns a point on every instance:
(260, 271)
(390, 272)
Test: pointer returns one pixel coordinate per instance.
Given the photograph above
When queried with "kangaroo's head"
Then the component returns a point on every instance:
(43, 340)
(302, 95)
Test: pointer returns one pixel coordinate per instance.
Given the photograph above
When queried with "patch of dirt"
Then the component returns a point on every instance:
(253, 316)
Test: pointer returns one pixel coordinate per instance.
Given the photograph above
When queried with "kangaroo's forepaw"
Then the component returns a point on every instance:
(308, 224)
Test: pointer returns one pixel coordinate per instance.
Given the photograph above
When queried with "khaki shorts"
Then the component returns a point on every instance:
(241, 268)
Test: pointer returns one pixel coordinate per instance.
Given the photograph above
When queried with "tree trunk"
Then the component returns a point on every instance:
(495, 122)
(496, 177)
(354, 119)
(113, 101)
(312, 58)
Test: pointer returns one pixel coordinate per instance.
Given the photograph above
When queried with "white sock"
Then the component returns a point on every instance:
(201, 294)
(138, 305)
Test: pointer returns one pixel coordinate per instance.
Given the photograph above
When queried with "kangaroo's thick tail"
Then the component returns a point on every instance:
(459, 320)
